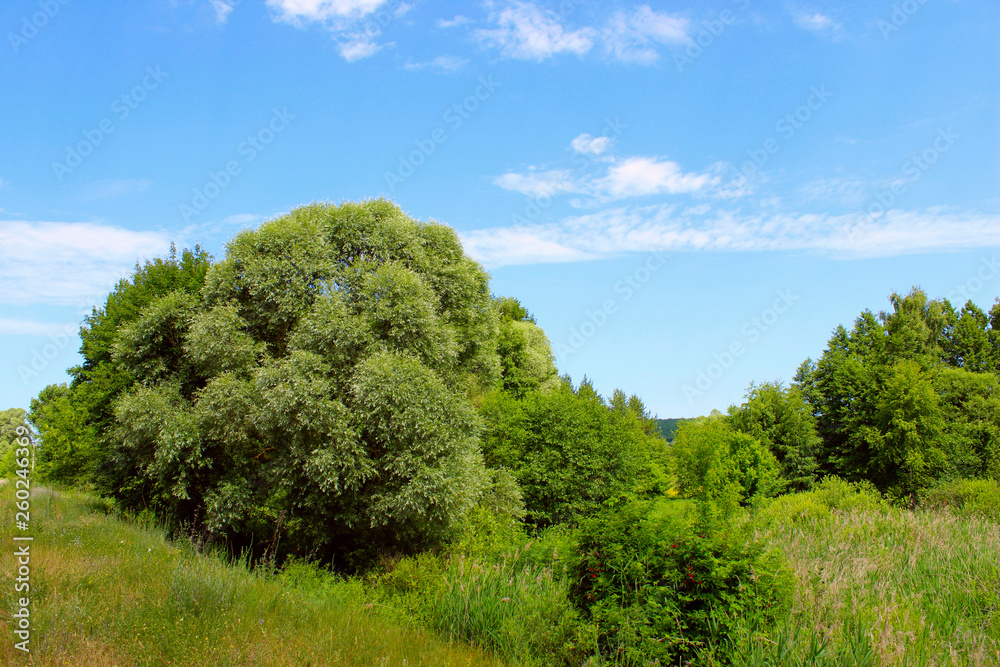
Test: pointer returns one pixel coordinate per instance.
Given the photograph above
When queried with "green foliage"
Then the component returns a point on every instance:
(815, 505)
(718, 464)
(668, 427)
(781, 420)
(907, 398)
(967, 497)
(970, 343)
(526, 360)
(570, 452)
(313, 391)
(13, 426)
(496, 521)
(879, 585)
(660, 587)
(970, 406)
(906, 431)
(65, 452)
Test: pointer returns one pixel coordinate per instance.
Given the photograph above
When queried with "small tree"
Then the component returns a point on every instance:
(781, 420)
(721, 465)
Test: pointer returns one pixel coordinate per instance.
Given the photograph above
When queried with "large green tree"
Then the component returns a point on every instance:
(66, 451)
(903, 399)
(316, 386)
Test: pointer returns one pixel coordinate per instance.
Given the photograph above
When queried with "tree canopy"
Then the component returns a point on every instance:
(314, 380)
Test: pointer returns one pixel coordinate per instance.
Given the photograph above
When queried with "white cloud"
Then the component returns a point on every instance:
(632, 177)
(503, 246)
(538, 183)
(633, 37)
(441, 63)
(526, 32)
(643, 229)
(816, 22)
(68, 263)
(298, 11)
(453, 23)
(642, 176)
(109, 189)
(13, 327)
(355, 24)
(222, 10)
(356, 46)
(589, 145)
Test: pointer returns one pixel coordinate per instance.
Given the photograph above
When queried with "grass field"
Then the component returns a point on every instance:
(106, 592)
(874, 586)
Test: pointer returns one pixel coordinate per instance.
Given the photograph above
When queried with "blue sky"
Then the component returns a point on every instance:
(688, 197)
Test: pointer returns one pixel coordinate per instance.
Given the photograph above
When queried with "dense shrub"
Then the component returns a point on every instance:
(663, 586)
(569, 451)
(833, 493)
(967, 497)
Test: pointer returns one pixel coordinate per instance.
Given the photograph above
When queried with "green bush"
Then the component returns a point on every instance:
(839, 494)
(967, 497)
(833, 493)
(570, 452)
(665, 588)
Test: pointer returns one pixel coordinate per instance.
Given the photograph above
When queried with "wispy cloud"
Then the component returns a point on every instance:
(637, 176)
(526, 32)
(816, 22)
(14, 327)
(536, 183)
(222, 10)
(643, 176)
(300, 11)
(453, 23)
(588, 145)
(351, 21)
(357, 45)
(660, 227)
(504, 246)
(633, 36)
(65, 263)
(109, 189)
(446, 64)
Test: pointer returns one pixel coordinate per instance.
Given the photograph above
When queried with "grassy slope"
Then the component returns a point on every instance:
(874, 587)
(104, 592)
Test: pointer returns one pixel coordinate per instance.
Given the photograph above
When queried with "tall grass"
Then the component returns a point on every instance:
(111, 592)
(881, 586)
(515, 608)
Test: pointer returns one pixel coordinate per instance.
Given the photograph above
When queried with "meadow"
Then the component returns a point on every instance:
(873, 585)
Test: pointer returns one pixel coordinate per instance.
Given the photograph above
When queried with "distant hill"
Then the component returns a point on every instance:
(668, 427)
